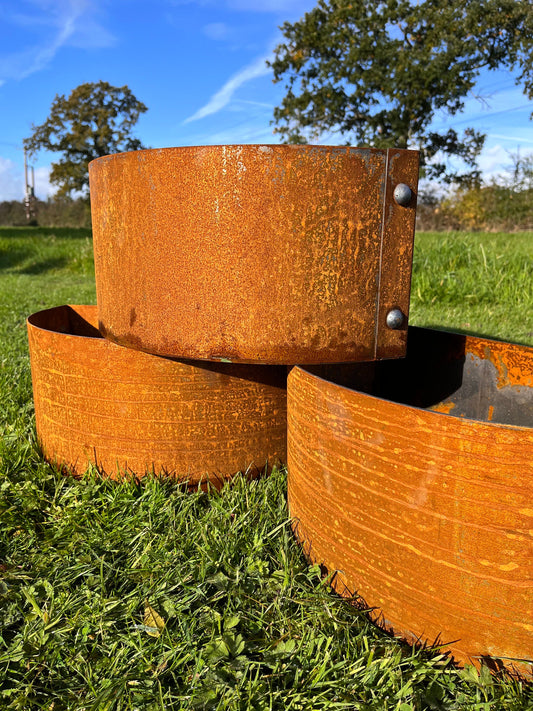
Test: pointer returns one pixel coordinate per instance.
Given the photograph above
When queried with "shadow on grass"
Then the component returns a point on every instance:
(44, 265)
(10, 258)
(60, 232)
(12, 261)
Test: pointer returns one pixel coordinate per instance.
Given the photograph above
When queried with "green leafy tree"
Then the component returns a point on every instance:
(378, 71)
(95, 120)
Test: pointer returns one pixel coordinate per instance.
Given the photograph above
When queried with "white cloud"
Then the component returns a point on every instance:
(287, 7)
(510, 138)
(216, 30)
(491, 161)
(43, 188)
(257, 104)
(247, 133)
(56, 24)
(224, 95)
(12, 181)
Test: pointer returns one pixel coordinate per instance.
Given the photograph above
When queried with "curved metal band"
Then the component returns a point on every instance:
(414, 481)
(126, 411)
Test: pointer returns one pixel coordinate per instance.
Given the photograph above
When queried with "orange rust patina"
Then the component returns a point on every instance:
(268, 254)
(126, 411)
(428, 517)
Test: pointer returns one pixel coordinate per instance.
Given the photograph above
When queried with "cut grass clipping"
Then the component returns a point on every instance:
(139, 595)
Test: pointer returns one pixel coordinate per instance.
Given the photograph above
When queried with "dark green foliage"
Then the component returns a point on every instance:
(377, 72)
(12, 212)
(95, 120)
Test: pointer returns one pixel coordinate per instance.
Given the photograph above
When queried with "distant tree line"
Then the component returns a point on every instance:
(504, 204)
(58, 212)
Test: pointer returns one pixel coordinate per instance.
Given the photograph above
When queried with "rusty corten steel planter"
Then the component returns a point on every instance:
(414, 480)
(128, 411)
(268, 254)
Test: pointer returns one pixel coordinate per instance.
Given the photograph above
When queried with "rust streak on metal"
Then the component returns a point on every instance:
(122, 410)
(267, 254)
(427, 516)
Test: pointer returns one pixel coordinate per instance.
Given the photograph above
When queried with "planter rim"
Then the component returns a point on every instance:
(469, 421)
(278, 147)
(33, 319)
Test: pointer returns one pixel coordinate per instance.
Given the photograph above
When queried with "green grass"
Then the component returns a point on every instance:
(143, 596)
(479, 283)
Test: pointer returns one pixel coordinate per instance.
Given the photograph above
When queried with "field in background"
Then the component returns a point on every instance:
(480, 283)
(142, 596)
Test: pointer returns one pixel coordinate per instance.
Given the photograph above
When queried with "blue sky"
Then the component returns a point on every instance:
(199, 66)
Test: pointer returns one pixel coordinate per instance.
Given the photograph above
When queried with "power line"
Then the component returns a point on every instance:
(488, 115)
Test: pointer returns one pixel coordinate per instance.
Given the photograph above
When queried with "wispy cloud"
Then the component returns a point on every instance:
(11, 183)
(216, 30)
(258, 104)
(54, 25)
(223, 96)
(510, 138)
(247, 133)
(285, 7)
(43, 187)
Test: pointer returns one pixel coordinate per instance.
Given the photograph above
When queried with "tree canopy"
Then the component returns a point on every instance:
(379, 71)
(95, 120)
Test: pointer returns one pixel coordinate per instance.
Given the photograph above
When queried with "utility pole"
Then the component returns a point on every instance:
(29, 191)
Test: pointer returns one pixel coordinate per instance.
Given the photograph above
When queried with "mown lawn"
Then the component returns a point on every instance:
(143, 596)
(479, 283)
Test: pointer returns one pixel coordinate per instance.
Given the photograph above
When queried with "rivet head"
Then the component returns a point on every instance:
(395, 319)
(403, 194)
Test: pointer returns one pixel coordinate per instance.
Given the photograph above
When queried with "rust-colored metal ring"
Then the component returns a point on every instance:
(126, 411)
(262, 254)
(414, 481)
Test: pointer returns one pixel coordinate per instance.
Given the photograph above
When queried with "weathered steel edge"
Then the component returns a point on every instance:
(304, 477)
(475, 345)
(67, 369)
(399, 230)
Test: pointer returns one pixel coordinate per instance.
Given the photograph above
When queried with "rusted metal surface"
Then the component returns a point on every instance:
(267, 254)
(427, 516)
(128, 411)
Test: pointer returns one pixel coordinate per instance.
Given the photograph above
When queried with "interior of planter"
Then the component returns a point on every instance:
(72, 320)
(450, 373)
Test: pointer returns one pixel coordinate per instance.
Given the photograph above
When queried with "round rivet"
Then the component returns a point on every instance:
(403, 194)
(395, 319)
